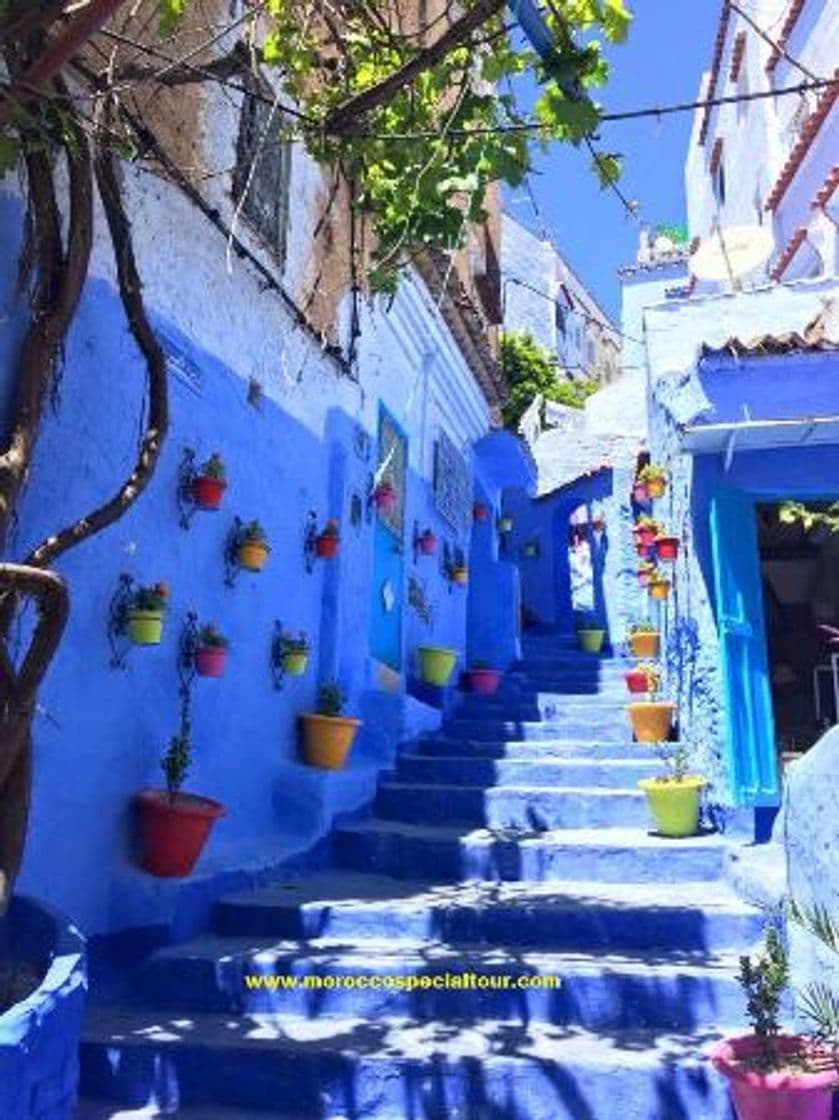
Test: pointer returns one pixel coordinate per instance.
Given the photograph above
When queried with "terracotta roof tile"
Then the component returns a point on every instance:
(737, 55)
(825, 193)
(802, 146)
(819, 336)
(719, 44)
(792, 247)
(795, 10)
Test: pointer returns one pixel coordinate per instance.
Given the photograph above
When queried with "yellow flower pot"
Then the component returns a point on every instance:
(651, 720)
(645, 646)
(327, 740)
(252, 555)
(294, 664)
(656, 488)
(436, 664)
(460, 576)
(591, 641)
(674, 803)
(659, 588)
(145, 628)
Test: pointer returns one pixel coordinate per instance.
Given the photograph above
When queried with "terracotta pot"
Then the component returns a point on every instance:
(386, 498)
(460, 576)
(145, 628)
(483, 682)
(779, 1095)
(674, 804)
(428, 544)
(645, 646)
(640, 493)
(173, 833)
(656, 487)
(210, 661)
(207, 492)
(659, 588)
(480, 512)
(327, 546)
(252, 555)
(638, 682)
(294, 663)
(327, 740)
(667, 548)
(651, 720)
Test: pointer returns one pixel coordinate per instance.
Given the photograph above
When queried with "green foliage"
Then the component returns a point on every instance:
(210, 637)
(819, 1003)
(152, 598)
(676, 759)
(530, 369)
(764, 979)
(294, 643)
(214, 468)
(254, 533)
(795, 513)
(176, 762)
(643, 627)
(330, 699)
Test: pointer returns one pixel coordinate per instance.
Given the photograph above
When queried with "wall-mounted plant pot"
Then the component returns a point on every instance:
(210, 661)
(145, 628)
(651, 720)
(656, 487)
(252, 555)
(645, 537)
(173, 833)
(640, 493)
(386, 498)
(294, 663)
(638, 682)
(483, 682)
(427, 543)
(776, 1095)
(480, 511)
(674, 804)
(659, 588)
(505, 524)
(327, 740)
(436, 664)
(645, 645)
(642, 549)
(591, 641)
(207, 492)
(644, 577)
(460, 576)
(327, 546)
(667, 548)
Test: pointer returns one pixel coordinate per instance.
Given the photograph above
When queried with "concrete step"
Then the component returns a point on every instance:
(389, 1070)
(511, 807)
(705, 917)
(92, 1109)
(427, 981)
(443, 746)
(606, 724)
(541, 706)
(452, 853)
(535, 770)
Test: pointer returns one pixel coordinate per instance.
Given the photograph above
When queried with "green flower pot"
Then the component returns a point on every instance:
(591, 641)
(674, 804)
(294, 664)
(145, 628)
(436, 664)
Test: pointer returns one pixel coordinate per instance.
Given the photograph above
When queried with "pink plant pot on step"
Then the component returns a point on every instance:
(776, 1095)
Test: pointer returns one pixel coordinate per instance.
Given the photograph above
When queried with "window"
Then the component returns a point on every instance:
(716, 168)
(263, 164)
(559, 318)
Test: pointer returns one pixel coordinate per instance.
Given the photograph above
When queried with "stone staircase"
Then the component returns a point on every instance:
(514, 843)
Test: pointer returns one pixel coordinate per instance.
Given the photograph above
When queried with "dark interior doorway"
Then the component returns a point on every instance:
(800, 575)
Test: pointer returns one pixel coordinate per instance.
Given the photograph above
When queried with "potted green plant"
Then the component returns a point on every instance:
(590, 636)
(654, 477)
(253, 548)
(666, 547)
(651, 720)
(144, 614)
(645, 531)
(773, 1075)
(482, 679)
(644, 678)
(328, 540)
(209, 483)
(210, 652)
(436, 664)
(674, 797)
(294, 653)
(644, 639)
(328, 735)
(658, 585)
(174, 826)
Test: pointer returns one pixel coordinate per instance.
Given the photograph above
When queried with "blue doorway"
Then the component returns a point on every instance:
(389, 547)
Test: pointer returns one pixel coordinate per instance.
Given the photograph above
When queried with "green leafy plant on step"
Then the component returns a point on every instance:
(764, 978)
(331, 699)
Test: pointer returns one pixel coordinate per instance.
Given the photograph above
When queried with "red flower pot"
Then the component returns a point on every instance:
(640, 493)
(667, 547)
(777, 1094)
(327, 546)
(385, 497)
(637, 682)
(428, 544)
(480, 512)
(484, 682)
(645, 537)
(208, 492)
(210, 661)
(173, 834)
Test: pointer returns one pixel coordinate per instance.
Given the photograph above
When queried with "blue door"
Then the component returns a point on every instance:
(389, 547)
(750, 727)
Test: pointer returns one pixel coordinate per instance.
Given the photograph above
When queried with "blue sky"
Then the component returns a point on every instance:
(670, 45)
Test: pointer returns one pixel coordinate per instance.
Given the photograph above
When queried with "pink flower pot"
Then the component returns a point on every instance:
(428, 544)
(777, 1095)
(483, 682)
(385, 498)
(210, 661)
(640, 493)
(645, 537)
(637, 682)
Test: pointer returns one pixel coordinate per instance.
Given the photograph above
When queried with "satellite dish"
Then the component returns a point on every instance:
(730, 253)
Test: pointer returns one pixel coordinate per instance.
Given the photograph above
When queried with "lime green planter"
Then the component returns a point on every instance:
(436, 664)
(294, 664)
(674, 804)
(591, 641)
(145, 628)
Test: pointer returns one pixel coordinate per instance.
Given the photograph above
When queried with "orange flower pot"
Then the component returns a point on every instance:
(656, 488)
(651, 720)
(460, 576)
(645, 646)
(252, 556)
(659, 588)
(327, 740)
